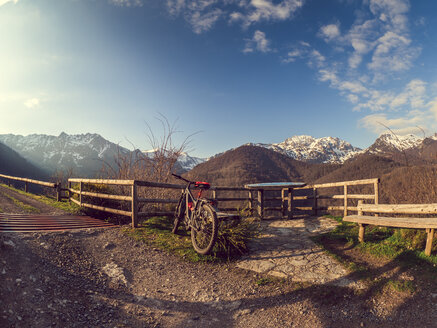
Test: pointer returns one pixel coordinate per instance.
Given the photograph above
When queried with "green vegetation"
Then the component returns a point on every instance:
(26, 207)
(156, 232)
(402, 285)
(404, 245)
(263, 281)
(231, 243)
(65, 206)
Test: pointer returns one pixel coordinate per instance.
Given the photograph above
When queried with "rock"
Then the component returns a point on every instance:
(233, 305)
(109, 246)
(113, 271)
(9, 243)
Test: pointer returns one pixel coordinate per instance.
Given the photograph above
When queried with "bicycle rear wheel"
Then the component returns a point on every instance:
(204, 231)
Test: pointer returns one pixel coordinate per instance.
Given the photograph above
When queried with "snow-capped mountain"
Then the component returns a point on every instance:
(315, 150)
(388, 143)
(188, 162)
(84, 153)
(185, 161)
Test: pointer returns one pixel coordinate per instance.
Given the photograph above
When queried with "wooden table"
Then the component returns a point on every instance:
(286, 189)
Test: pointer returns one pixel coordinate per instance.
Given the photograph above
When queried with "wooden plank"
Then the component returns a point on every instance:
(412, 223)
(229, 188)
(341, 184)
(278, 209)
(158, 200)
(401, 208)
(315, 201)
(229, 209)
(272, 198)
(38, 182)
(150, 214)
(100, 208)
(103, 181)
(103, 196)
(232, 199)
(142, 183)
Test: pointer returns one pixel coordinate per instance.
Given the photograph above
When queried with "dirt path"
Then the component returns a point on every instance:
(102, 278)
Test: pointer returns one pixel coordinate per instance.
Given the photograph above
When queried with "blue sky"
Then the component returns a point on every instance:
(236, 70)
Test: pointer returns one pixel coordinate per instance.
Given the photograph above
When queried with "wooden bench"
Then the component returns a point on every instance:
(430, 224)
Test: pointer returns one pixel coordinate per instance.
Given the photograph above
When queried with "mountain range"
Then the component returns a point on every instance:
(82, 153)
(86, 153)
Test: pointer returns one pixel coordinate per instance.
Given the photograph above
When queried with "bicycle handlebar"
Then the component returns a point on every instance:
(180, 178)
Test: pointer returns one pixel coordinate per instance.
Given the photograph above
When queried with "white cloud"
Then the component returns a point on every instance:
(266, 10)
(412, 122)
(32, 103)
(292, 56)
(203, 22)
(2, 2)
(127, 3)
(244, 11)
(330, 32)
(258, 42)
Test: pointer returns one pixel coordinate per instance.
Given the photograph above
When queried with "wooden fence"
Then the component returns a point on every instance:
(251, 199)
(55, 185)
(133, 198)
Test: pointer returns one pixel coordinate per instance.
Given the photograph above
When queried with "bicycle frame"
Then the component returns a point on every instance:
(192, 203)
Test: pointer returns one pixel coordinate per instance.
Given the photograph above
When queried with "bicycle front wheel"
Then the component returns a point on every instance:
(204, 231)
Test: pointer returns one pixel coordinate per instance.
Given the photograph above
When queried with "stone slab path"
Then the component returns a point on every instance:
(285, 250)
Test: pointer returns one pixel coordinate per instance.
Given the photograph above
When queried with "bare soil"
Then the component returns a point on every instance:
(103, 278)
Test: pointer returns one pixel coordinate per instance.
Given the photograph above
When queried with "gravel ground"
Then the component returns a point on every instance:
(103, 278)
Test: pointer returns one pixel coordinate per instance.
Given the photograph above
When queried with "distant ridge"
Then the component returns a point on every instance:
(315, 150)
(84, 153)
(11, 163)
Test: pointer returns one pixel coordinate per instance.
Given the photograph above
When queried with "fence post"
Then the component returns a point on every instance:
(69, 192)
(260, 203)
(58, 192)
(345, 200)
(214, 197)
(134, 206)
(283, 203)
(26, 188)
(314, 201)
(290, 203)
(362, 227)
(250, 201)
(376, 191)
(80, 193)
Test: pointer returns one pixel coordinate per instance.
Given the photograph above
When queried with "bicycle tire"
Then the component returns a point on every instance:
(204, 232)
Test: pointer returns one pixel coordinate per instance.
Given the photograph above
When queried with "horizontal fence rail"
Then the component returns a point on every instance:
(253, 200)
(54, 185)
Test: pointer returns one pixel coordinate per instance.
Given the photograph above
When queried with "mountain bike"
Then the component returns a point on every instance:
(199, 216)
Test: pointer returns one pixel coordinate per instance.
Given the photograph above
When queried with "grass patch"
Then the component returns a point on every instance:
(156, 232)
(263, 281)
(27, 208)
(401, 286)
(404, 245)
(65, 206)
(231, 243)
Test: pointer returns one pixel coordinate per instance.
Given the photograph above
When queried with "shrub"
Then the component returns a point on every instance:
(234, 236)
